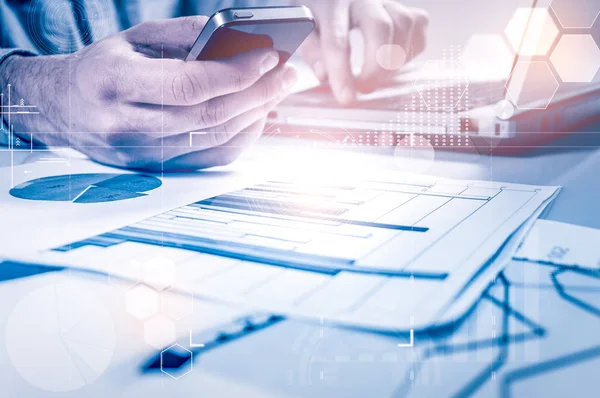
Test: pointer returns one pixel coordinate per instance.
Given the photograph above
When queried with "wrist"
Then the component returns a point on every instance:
(35, 81)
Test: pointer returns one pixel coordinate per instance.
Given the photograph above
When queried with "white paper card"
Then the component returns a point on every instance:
(562, 244)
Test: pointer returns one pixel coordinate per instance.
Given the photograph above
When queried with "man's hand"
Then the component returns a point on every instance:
(131, 101)
(393, 34)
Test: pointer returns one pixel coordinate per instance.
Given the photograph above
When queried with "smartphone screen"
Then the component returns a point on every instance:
(234, 38)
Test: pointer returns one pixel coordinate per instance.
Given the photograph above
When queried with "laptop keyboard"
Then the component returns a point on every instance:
(406, 96)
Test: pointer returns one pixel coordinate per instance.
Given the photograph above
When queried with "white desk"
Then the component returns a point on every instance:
(539, 340)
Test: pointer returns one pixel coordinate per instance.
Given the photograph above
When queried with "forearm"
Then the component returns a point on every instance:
(6, 52)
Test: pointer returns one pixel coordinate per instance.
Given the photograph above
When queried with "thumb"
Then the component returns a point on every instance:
(180, 33)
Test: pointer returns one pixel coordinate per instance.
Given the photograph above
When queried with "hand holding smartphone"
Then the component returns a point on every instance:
(236, 30)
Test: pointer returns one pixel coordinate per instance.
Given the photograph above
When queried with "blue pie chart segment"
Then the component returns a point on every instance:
(87, 188)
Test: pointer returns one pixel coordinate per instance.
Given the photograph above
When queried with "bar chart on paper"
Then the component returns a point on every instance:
(348, 252)
(332, 228)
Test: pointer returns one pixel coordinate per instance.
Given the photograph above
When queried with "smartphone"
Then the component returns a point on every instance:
(235, 30)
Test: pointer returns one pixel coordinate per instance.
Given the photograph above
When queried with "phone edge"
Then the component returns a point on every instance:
(223, 17)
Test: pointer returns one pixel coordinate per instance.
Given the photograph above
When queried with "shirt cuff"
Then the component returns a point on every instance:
(7, 52)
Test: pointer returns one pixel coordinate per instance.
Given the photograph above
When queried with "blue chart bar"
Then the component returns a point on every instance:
(252, 253)
(274, 206)
(281, 191)
(271, 207)
(99, 241)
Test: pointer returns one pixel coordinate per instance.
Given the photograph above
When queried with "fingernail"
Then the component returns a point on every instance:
(319, 70)
(269, 63)
(290, 77)
(347, 95)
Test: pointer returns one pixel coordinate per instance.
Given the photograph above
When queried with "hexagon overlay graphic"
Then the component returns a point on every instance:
(177, 305)
(159, 272)
(141, 302)
(576, 58)
(442, 84)
(178, 353)
(159, 331)
(125, 273)
(576, 13)
(486, 56)
(532, 85)
(531, 31)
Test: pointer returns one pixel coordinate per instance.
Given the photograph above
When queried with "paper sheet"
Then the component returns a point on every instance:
(389, 253)
(564, 244)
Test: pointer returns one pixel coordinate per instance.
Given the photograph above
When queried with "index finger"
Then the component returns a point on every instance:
(334, 30)
(175, 82)
(377, 27)
(175, 32)
(218, 156)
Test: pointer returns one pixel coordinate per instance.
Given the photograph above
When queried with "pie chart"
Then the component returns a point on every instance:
(60, 337)
(86, 188)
